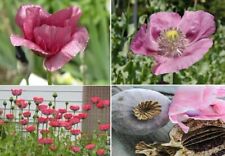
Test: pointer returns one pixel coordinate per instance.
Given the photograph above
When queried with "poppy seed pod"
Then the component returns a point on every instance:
(139, 111)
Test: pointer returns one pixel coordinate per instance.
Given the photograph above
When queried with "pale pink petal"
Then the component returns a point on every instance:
(161, 21)
(139, 44)
(28, 17)
(19, 41)
(198, 103)
(197, 25)
(51, 38)
(78, 44)
(191, 55)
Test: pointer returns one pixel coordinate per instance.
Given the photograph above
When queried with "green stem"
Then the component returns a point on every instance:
(49, 76)
(195, 4)
(27, 80)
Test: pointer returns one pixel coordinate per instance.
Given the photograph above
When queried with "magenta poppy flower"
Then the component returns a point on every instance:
(75, 149)
(68, 116)
(74, 120)
(42, 120)
(21, 103)
(75, 131)
(175, 43)
(95, 99)
(24, 122)
(30, 128)
(74, 107)
(16, 92)
(62, 110)
(90, 146)
(42, 107)
(199, 103)
(38, 100)
(104, 127)
(56, 37)
(27, 114)
(100, 152)
(82, 115)
(2, 122)
(86, 107)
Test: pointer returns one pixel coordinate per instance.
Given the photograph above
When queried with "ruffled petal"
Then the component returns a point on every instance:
(192, 54)
(78, 44)
(28, 17)
(139, 44)
(161, 21)
(66, 17)
(51, 38)
(197, 25)
(19, 41)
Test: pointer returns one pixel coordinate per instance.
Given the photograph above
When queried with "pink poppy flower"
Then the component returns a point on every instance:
(24, 122)
(86, 107)
(42, 120)
(27, 114)
(2, 122)
(100, 104)
(47, 111)
(42, 107)
(75, 131)
(64, 124)
(45, 141)
(95, 99)
(90, 146)
(74, 107)
(75, 149)
(62, 110)
(54, 123)
(100, 152)
(175, 43)
(56, 37)
(38, 100)
(74, 120)
(104, 127)
(199, 103)
(68, 116)
(16, 92)
(30, 128)
(9, 116)
(106, 102)
(83, 115)
(21, 103)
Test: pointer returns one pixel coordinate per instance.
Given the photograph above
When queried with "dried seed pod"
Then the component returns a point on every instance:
(205, 138)
(155, 149)
(147, 110)
(139, 111)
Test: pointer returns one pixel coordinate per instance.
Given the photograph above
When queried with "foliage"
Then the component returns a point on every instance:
(92, 67)
(128, 68)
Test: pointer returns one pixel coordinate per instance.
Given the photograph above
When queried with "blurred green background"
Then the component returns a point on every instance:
(90, 68)
(127, 68)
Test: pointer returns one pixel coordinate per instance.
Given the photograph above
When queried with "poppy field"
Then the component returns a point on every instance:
(30, 128)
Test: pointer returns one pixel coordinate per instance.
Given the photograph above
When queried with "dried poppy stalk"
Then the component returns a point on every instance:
(205, 138)
(147, 110)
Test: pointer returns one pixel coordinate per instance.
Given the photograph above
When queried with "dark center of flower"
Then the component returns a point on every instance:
(147, 110)
(171, 42)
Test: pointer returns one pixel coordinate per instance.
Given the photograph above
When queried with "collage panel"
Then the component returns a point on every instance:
(54, 42)
(168, 42)
(54, 121)
(168, 120)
